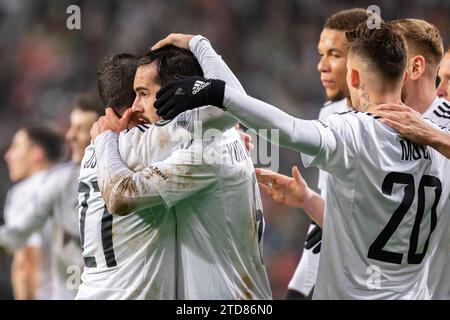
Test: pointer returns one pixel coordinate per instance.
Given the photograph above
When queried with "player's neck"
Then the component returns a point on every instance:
(370, 99)
(421, 95)
(38, 167)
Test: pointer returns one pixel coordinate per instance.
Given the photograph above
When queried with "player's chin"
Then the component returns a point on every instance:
(334, 94)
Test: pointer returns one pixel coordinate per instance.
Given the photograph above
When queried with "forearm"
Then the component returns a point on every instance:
(13, 237)
(441, 142)
(214, 67)
(297, 134)
(123, 190)
(315, 208)
(25, 273)
(212, 64)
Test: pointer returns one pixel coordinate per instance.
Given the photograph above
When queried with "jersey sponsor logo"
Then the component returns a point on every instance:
(199, 86)
(155, 170)
(412, 151)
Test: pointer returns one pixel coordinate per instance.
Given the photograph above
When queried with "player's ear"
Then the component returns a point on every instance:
(406, 77)
(354, 78)
(416, 67)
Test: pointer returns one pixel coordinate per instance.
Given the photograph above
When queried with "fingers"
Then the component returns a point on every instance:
(111, 114)
(165, 110)
(265, 189)
(391, 107)
(166, 88)
(394, 125)
(127, 116)
(179, 40)
(297, 176)
(265, 172)
(164, 42)
(163, 98)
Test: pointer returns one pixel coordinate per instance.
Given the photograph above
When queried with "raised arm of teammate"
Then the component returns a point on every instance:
(297, 134)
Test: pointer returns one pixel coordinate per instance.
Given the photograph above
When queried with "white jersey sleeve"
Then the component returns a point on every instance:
(22, 221)
(296, 134)
(165, 182)
(339, 145)
(213, 67)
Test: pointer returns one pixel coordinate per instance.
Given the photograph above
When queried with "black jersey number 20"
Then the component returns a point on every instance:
(376, 249)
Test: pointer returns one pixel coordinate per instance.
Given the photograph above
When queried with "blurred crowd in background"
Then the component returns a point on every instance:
(271, 45)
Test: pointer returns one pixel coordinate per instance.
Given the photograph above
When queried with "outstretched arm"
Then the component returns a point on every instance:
(297, 134)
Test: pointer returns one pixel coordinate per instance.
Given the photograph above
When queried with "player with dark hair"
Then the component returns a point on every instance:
(376, 241)
(56, 198)
(33, 151)
(168, 177)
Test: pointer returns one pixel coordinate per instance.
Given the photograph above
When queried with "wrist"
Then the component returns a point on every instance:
(217, 92)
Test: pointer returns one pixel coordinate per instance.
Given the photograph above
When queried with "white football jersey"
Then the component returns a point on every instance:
(385, 198)
(211, 189)
(21, 199)
(132, 256)
(54, 207)
(439, 270)
(305, 274)
(57, 199)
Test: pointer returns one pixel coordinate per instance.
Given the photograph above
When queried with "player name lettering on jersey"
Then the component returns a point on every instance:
(92, 161)
(413, 152)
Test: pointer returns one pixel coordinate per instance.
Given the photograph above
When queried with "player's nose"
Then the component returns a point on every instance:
(323, 65)
(136, 107)
(441, 90)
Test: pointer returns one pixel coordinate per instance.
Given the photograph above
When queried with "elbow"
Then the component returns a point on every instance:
(118, 207)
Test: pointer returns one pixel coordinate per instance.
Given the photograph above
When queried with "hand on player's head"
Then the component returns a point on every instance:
(188, 93)
(110, 121)
(176, 39)
(408, 122)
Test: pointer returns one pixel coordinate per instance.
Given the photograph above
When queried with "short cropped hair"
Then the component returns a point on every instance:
(347, 20)
(48, 139)
(115, 81)
(422, 38)
(384, 49)
(89, 101)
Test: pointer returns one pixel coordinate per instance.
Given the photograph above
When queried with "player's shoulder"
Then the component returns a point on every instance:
(332, 107)
(439, 111)
(62, 173)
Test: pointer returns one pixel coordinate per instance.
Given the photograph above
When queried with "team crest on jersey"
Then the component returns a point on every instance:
(184, 119)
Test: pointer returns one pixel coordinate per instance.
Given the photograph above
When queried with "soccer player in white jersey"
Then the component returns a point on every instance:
(332, 66)
(443, 89)
(33, 151)
(387, 200)
(55, 201)
(426, 50)
(216, 207)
